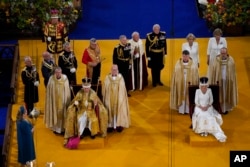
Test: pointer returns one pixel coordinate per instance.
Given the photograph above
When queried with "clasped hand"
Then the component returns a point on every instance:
(204, 108)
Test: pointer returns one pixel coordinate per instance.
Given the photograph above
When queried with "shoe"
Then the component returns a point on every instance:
(205, 134)
(160, 83)
(56, 133)
(109, 130)
(154, 85)
(202, 134)
(119, 129)
(92, 137)
(225, 113)
(222, 140)
(129, 95)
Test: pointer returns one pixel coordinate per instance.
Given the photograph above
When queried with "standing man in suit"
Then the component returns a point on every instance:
(122, 57)
(156, 51)
(48, 66)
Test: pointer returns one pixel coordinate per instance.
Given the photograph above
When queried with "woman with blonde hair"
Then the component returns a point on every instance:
(215, 43)
(192, 47)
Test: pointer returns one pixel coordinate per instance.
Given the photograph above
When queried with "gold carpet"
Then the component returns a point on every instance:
(158, 136)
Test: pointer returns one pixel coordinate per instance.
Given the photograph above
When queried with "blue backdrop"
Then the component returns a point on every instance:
(107, 19)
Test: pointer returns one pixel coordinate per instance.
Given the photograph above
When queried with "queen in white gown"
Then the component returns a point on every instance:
(206, 120)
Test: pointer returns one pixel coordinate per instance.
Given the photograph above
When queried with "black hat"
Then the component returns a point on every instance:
(204, 81)
(86, 82)
(93, 41)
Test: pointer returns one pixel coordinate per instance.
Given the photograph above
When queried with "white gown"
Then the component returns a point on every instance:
(213, 49)
(207, 121)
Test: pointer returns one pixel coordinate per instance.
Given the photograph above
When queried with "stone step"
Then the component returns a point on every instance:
(88, 143)
(197, 140)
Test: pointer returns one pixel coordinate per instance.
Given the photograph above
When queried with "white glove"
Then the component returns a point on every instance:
(49, 39)
(149, 58)
(73, 70)
(137, 55)
(76, 103)
(36, 83)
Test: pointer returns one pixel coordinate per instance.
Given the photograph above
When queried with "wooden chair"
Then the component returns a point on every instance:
(216, 97)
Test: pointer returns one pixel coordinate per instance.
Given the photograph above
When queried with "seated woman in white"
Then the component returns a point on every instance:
(206, 120)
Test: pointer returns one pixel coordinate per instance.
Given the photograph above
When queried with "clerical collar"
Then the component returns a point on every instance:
(185, 63)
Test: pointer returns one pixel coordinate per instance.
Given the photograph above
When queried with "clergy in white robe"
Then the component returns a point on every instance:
(57, 100)
(115, 99)
(139, 74)
(185, 72)
(224, 72)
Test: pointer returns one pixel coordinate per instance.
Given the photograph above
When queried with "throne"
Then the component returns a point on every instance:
(96, 87)
(216, 97)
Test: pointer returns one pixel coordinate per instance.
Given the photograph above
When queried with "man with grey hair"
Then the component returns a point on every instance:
(224, 71)
(122, 57)
(58, 97)
(47, 67)
(30, 79)
(92, 59)
(68, 62)
(139, 68)
(156, 51)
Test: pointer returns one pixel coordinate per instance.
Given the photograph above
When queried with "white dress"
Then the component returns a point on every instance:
(207, 121)
(213, 50)
(193, 51)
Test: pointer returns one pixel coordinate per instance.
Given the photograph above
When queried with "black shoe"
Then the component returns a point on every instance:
(81, 137)
(86, 132)
(92, 137)
(225, 113)
(154, 85)
(129, 95)
(119, 129)
(56, 133)
(160, 83)
(109, 130)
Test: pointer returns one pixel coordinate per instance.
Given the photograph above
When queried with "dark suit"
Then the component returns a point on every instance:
(47, 70)
(66, 61)
(122, 57)
(29, 76)
(156, 49)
